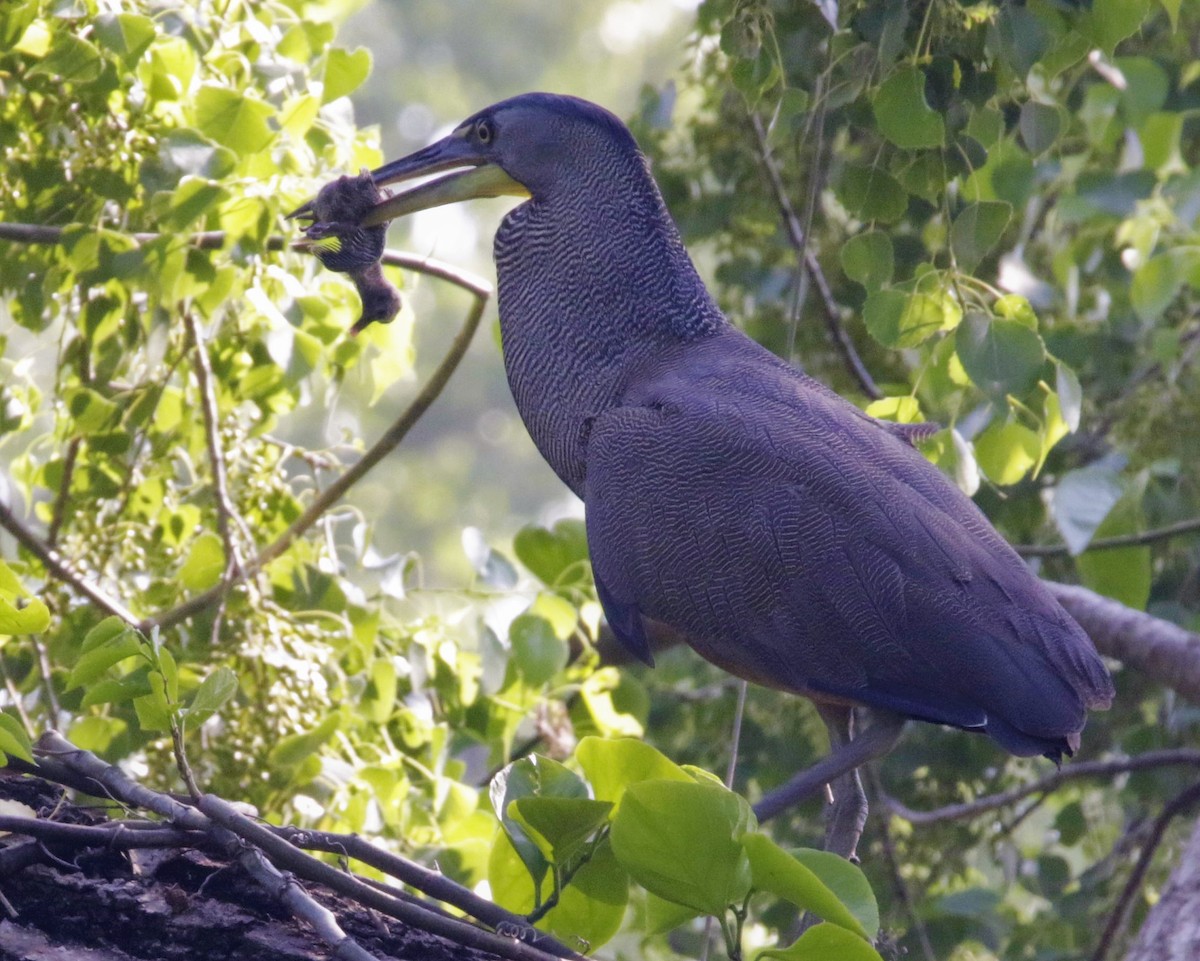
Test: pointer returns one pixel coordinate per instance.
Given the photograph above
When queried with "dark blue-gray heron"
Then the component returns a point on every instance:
(792, 539)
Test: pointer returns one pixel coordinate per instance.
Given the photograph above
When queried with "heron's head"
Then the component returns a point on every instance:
(529, 146)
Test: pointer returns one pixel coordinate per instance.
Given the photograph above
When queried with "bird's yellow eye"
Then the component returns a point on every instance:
(484, 132)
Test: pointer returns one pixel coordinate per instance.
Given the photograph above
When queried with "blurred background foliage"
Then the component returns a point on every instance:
(999, 200)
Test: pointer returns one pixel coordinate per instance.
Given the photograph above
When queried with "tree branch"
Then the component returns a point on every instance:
(227, 514)
(1191, 526)
(798, 240)
(58, 567)
(264, 854)
(1072, 772)
(1164, 652)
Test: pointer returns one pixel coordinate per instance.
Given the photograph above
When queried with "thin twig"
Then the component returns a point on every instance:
(796, 236)
(898, 883)
(1141, 539)
(417, 876)
(1120, 913)
(338, 489)
(227, 515)
(1073, 772)
(113, 835)
(64, 491)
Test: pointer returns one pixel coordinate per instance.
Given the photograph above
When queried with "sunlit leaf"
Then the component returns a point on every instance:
(680, 841)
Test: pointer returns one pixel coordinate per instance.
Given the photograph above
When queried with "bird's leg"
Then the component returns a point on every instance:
(846, 806)
(844, 757)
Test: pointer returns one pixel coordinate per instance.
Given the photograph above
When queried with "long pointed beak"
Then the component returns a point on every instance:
(486, 180)
(483, 178)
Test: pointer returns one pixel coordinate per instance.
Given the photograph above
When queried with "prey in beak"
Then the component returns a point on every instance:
(348, 218)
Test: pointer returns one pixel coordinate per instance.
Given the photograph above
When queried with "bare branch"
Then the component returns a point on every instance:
(113, 835)
(415, 875)
(1072, 772)
(284, 854)
(1140, 539)
(227, 514)
(899, 884)
(269, 854)
(64, 491)
(798, 240)
(1171, 931)
(1163, 651)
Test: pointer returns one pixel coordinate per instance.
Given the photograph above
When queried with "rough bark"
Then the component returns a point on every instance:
(1171, 931)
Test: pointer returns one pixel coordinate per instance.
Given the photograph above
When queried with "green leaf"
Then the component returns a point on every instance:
(1006, 452)
(380, 697)
(345, 71)
(103, 632)
(899, 410)
(14, 742)
(1081, 501)
(538, 651)
(99, 659)
(128, 35)
(205, 563)
(23, 616)
(681, 841)
(294, 750)
(867, 259)
(559, 826)
(1124, 573)
(976, 230)
(1000, 356)
(590, 908)
(117, 691)
(612, 764)
(1111, 21)
(533, 776)
(493, 568)
(92, 411)
(1157, 282)
(70, 60)
(902, 113)
(191, 200)
(1017, 308)
(233, 119)
(786, 877)
(899, 319)
(869, 193)
(1070, 395)
(825, 942)
(847, 881)
(556, 556)
(10, 585)
(153, 712)
(212, 694)
(1040, 125)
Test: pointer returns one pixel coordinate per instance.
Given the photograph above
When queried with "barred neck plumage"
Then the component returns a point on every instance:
(592, 282)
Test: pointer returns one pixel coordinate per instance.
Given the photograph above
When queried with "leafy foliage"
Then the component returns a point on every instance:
(1004, 196)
